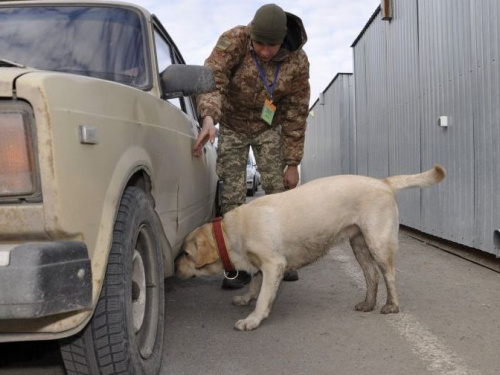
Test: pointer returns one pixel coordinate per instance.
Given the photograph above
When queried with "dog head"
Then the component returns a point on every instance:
(200, 256)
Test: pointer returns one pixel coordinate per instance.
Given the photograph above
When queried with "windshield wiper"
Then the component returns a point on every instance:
(8, 63)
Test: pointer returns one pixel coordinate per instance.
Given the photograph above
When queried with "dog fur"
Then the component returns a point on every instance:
(292, 229)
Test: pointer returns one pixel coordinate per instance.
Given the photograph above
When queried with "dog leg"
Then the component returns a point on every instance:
(367, 264)
(388, 271)
(272, 274)
(252, 293)
(381, 237)
(383, 251)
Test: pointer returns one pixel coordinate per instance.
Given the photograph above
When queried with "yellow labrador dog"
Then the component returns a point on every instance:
(292, 229)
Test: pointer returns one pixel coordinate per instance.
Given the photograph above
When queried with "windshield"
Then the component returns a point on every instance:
(103, 42)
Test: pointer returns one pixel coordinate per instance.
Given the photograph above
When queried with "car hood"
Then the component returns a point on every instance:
(7, 78)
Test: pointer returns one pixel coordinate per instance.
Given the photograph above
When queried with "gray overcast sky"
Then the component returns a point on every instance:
(331, 26)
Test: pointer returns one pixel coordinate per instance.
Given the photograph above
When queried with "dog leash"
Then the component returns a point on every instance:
(221, 247)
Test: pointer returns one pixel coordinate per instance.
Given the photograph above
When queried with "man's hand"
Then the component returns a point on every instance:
(207, 133)
(291, 178)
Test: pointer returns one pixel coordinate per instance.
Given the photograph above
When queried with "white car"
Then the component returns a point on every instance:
(253, 176)
(98, 182)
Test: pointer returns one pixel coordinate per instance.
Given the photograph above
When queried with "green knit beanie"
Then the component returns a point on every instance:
(269, 25)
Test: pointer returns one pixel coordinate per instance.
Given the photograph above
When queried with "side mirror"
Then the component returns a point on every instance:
(184, 80)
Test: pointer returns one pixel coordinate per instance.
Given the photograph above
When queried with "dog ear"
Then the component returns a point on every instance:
(206, 253)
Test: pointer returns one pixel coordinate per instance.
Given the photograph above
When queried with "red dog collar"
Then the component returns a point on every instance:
(221, 246)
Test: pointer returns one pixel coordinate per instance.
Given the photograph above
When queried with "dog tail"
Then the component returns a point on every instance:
(420, 180)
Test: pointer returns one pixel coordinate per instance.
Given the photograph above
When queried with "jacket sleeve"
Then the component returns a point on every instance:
(225, 57)
(295, 112)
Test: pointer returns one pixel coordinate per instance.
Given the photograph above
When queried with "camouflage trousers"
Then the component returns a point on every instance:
(232, 156)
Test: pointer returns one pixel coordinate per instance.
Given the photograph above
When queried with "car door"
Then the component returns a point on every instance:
(197, 179)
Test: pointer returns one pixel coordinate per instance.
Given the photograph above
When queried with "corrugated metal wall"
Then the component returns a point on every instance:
(330, 132)
(485, 38)
(435, 58)
(445, 71)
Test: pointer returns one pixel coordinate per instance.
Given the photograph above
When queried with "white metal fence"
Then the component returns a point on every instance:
(436, 59)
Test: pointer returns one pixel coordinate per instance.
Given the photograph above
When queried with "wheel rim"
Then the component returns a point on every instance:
(145, 291)
(138, 291)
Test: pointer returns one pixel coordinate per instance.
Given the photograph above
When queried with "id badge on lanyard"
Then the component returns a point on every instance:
(268, 112)
(269, 109)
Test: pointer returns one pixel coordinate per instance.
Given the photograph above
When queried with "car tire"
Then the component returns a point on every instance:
(125, 334)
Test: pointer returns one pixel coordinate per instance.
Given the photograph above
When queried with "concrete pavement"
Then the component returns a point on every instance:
(449, 323)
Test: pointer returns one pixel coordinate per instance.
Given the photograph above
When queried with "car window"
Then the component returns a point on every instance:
(189, 107)
(164, 59)
(102, 42)
(167, 55)
(187, 101)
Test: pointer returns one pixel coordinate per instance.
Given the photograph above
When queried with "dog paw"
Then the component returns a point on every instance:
(364, 306)
(241, 301)
(246, 324)
(389, 309)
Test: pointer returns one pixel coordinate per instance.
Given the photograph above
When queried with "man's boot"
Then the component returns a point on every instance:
(239, 282)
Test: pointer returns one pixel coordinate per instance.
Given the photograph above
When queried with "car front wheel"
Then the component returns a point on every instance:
(125, 334)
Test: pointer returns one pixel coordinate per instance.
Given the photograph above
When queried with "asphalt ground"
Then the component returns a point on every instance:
(449, 323)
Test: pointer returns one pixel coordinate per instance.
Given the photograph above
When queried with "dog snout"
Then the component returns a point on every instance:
(182, 267)
(177, 264)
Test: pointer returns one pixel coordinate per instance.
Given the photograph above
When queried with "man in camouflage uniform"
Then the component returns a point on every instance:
(261, 100)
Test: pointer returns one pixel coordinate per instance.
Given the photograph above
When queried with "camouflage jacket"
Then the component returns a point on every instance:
(240, 95)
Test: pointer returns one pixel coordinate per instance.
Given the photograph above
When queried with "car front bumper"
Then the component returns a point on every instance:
(44, 278)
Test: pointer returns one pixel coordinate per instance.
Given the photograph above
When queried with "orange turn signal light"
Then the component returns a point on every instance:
(17, 166)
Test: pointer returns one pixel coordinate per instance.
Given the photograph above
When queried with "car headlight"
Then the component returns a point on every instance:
(18, 167)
